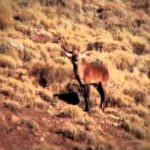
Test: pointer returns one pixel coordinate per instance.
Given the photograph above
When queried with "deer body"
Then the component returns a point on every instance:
(90, 73)
(93, 73)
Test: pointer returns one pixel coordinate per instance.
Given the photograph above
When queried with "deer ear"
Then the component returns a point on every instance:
(68, 54)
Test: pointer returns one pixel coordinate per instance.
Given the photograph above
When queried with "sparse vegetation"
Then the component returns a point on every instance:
(134, 125)
(46, 147)
(71, 111)
(7, 61)
(31, 125)
(12, 106)
(47, 74)
(34, 70)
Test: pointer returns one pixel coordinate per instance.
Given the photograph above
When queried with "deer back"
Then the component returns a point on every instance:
(93, 72)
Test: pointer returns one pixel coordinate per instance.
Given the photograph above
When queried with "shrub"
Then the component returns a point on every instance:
(33, 126)
(144, 5)
(47, 74)
(95, 46)
(72, 112)
(46, 147)
(116, 98)
(72, 4)
(6, 49)
(52, 2)
(123, 60)
(45, 96)
(140, 110)
(144, 66)
(139, 48)
(7, 61)
(134, 125)
(78, 147)
(40, 38)
(6, 91)
(86, 120)
(12, 106)
(69, 131)
(139, 96)
(24, 16)
(3, 48)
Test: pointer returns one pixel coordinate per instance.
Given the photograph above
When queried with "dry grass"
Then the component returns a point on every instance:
(86, 121)
(70, 131)
(24, 16)
(72, 111)
(77, 133)
(47, 75)
(139, 96)
(77, 114)
(7, 91)
(134, 125)
(140, 110)
(143, 65)
(45, 147)
(31, 125)
(123, 60)
(24, 93)
(12, 106)
(7, 61)
(33, 68)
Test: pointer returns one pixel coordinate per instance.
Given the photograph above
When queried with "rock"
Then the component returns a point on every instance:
(15, 118)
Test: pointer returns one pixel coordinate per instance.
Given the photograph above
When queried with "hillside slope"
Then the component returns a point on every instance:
(34, 68)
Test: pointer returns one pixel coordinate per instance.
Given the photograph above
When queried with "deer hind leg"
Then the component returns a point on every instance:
(102, 93)
(86, 91)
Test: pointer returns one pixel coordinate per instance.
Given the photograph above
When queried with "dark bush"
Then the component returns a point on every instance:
(139, 48)
(40, 38)
(52, 2)
(139, 97)
(144, 5)
(95, 46)
(47, 74)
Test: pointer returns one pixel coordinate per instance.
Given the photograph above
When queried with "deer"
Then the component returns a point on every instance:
(93, 73)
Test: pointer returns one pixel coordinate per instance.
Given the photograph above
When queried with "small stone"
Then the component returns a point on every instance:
(15, 118)
(42, 139)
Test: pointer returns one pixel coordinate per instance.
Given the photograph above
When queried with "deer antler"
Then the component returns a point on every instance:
(64, 47)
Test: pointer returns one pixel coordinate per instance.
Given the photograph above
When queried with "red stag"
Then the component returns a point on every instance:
(89, 73)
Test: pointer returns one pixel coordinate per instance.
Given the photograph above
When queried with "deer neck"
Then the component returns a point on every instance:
(76, 72)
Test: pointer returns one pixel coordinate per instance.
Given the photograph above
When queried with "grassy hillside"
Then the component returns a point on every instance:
(34, 68)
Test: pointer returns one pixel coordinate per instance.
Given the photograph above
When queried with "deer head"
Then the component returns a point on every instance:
(73, 54)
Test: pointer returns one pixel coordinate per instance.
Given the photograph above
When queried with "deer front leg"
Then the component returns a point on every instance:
(86, 90)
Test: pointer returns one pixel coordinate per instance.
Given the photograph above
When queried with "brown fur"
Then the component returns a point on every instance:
(92, 73)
